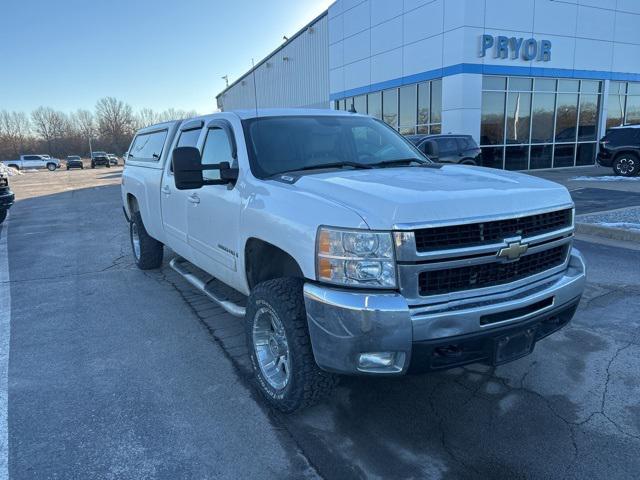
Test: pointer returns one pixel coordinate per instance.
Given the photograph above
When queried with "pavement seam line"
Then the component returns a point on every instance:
(5, 332)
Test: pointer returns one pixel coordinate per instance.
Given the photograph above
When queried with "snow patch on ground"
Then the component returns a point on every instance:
(607, 178)
(9, 171)
(622, 225)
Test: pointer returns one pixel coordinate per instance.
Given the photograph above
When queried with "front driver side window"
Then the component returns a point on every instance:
(216, 149)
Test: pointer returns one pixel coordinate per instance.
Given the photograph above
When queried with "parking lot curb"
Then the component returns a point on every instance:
(608, 232)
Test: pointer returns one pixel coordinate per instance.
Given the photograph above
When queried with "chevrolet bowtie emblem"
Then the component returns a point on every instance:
(514, 251)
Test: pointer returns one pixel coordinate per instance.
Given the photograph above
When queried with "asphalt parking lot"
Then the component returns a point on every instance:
(118, 373)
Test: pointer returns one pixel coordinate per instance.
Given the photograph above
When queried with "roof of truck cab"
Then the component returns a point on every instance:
(289, 112)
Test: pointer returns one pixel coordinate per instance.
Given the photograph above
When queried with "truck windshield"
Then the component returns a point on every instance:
(294, 143)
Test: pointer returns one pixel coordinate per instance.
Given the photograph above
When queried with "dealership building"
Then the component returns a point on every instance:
(535, 82)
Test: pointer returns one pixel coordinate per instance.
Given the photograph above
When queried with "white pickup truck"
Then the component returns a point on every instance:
(353, 252)
(34, 161)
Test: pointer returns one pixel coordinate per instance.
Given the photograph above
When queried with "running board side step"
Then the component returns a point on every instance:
(228, 306)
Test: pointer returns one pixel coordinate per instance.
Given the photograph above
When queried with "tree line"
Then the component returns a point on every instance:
(109, 127)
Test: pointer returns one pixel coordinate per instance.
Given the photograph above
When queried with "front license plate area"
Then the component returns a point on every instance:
(513, 346)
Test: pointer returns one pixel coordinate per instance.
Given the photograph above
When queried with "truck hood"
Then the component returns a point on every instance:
(388, 198)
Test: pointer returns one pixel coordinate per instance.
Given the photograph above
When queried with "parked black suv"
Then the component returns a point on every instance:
(100, 158)
(450, 148)
(6, 196)
(620, 149)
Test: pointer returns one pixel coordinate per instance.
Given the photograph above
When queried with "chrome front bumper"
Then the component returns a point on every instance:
(343, 324)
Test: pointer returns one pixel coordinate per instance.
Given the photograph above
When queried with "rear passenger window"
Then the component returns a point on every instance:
(148, 146)
(466, 143)
(216, 149)
(446, 146)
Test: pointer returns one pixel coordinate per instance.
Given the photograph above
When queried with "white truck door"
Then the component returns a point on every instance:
(174, 202)
(32, 161)
(213, 213)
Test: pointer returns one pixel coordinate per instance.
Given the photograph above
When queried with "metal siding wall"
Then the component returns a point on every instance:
(301, 81)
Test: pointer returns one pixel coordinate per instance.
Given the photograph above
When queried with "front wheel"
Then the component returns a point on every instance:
(108, 165)
(3, 215)
(147, 251)
(626, 165)
(51, 167)
(280, 348)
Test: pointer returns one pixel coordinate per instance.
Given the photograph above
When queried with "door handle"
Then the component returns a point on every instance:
(166, 190)
(194, 198)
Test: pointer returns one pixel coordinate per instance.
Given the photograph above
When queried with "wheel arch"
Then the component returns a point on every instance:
(264, 261)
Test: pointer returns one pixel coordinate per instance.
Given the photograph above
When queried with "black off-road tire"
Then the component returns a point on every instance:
(93, 165)
(51, 167)
(626, 165)
(308, 384)
(108, 165)
(151, 250)
(3, 215)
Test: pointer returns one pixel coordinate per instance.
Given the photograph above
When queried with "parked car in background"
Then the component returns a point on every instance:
(620, 150)
(34, 161)
(74, 161)
(461, 149)
(357, 255)
(6, 196)
(100, 158)
(113, 160)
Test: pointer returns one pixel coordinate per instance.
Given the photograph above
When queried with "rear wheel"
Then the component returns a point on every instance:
(280, 348)
(147, 251)
(626, 165)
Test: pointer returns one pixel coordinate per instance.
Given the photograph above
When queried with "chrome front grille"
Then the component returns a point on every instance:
(435, 282)
(468, 267)
(472, 234)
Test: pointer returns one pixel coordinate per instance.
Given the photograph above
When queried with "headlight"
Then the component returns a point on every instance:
(355, 257)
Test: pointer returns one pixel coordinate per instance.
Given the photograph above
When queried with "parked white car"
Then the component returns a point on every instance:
(356, 253)
(34, 161)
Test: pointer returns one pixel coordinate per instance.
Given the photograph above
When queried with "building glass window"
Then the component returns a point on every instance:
(533, 123)
(374, 105)
(390, 107)
(408, 109)
(360, 104)
(415, 108)
(623, 104)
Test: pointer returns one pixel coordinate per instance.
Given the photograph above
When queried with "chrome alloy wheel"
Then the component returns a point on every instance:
(135, 240)
(271, 347)
(625, 165)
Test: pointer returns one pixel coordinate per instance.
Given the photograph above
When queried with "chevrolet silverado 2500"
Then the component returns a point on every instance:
(351, 252)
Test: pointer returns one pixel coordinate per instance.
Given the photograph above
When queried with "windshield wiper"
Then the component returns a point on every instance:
(400, 161)
(333, 165)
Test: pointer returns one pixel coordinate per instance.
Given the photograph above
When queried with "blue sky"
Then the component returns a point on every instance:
(66, 54)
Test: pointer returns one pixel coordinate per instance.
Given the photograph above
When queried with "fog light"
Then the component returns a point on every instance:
(381, 362)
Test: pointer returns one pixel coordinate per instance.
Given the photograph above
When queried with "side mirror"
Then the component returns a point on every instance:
(187, 168)
(431, 150)
(227, 174)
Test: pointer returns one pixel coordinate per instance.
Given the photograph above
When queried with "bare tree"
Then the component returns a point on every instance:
(115, 122)
(176, 114)
(14, 132)
(49, 125)
(146, 117)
